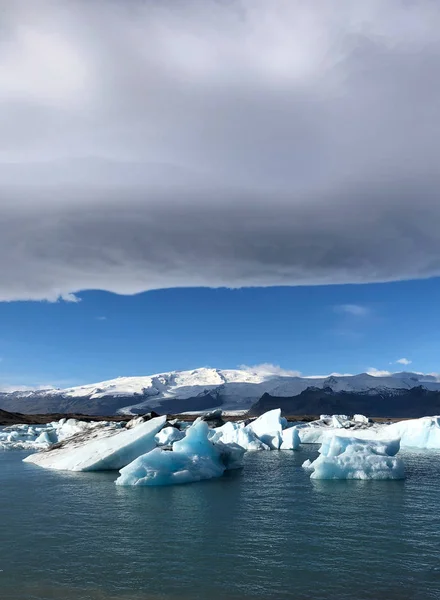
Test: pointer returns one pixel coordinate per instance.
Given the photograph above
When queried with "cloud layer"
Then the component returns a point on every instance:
(225, 142)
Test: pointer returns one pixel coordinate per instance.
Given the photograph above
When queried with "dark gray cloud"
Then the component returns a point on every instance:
(147, 145)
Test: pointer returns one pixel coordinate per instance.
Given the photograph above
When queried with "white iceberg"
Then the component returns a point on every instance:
(268, 428)
(352, 458)
(193, 458)
(237, 433)
(417, 433)
(290, 439)
(107, 450)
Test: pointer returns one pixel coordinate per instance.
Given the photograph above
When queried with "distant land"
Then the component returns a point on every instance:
(396, 395)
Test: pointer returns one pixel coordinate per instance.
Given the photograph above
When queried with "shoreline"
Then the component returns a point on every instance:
(8, 418)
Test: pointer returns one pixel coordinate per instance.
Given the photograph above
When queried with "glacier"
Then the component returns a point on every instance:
(353, 458)
(193, 458)
(230, 389)
(110, 450)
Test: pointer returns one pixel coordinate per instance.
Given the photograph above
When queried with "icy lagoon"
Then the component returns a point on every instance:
(263, 532)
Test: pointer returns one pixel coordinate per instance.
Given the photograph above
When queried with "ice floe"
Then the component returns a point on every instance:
(268, 428)
(417, 433)
(152, 452)
(192, 458)
(352, 458)
(111, 449)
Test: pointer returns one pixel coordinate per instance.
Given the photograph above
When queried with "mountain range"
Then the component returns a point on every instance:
(395, 395)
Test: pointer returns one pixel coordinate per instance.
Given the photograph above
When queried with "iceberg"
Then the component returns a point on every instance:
(191, 459)
(417, 433)
(353, 458)
(100, 449)
(237, 433)
(268, 428)
(290, 439)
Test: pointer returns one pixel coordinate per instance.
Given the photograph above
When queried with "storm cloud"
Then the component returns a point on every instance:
(214, 143)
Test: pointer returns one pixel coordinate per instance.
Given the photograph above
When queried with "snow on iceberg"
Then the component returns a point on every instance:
(100, 449)
(416, 433)
(40, 437)
(168, 435)
(268, 428)
(237, 433)
(353, 458)
(192, 458)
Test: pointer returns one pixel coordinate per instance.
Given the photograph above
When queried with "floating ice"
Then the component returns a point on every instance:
(102, 449)
(417, 433)
(237, 433)
(290, 439)
(192, 458)
(352, 458)
(268, 428)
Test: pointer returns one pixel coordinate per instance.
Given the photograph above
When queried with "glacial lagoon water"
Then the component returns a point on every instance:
(267, 532)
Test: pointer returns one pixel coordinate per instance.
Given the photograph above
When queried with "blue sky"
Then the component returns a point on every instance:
(314, 330)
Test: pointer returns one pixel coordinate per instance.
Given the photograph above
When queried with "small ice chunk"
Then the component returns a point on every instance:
(291, 439)
(361, 419)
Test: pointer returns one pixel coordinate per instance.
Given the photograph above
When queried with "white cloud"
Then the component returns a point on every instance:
(159, 144)
(378, 372)
(403, 361)
(356, 310)
(270, 369)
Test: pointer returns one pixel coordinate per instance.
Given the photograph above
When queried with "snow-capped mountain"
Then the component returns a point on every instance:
(202, 389)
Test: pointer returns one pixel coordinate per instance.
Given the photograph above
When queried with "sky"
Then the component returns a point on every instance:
(309, 330)
(149, 147)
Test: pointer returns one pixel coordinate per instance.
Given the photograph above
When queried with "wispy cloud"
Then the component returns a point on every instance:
(270, 369)
(356, 310)
(403, 361)
(378, 372)
(101, 318)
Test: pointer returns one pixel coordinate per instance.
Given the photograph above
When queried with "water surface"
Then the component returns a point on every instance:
(267, 532)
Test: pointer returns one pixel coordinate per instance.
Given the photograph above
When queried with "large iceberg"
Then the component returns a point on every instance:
(353, 458)
(192, 459)
(417, 433)
(268, 428)
(102, 449)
